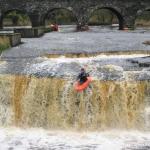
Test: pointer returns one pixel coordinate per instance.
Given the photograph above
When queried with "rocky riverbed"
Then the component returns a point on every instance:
(100, 47)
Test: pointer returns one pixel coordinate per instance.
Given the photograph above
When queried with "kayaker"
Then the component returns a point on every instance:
(82, 77)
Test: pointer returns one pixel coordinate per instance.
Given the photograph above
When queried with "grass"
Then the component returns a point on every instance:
(4, 43)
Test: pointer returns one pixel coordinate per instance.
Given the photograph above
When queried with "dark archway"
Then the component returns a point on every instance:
(108, 16)
(15, 17)
(60, 16)
(143, 19)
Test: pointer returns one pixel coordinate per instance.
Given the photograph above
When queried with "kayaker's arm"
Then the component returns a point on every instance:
(78, 77)
(88, 73)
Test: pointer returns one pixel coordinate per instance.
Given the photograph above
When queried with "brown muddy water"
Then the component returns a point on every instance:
(52, 103)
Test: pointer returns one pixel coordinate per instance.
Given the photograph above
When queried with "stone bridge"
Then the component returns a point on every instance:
(37, 10)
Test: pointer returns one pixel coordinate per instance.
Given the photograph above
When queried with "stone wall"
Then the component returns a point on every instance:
(125, 10)
(30, 32)
(14, 38)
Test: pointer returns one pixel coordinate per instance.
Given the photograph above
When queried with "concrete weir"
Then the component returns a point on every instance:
(14, 38)
(30, 32)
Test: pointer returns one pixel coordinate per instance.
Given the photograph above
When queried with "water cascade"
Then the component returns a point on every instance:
(29, 101)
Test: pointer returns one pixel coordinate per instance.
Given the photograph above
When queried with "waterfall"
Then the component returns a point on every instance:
(27, 101)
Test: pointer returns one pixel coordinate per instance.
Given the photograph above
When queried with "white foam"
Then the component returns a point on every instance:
(52, 65)
(21, 139)
(63, 59)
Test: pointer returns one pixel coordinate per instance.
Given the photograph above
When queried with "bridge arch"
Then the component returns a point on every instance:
(18, 12)
(114, 11)
(69, 12)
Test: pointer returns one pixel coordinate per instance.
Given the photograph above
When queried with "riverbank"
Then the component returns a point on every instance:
(4, 43)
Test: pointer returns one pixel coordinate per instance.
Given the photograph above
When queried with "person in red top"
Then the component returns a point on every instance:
(55, 27)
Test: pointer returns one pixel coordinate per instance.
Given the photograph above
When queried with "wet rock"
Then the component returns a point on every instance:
(48, 69)
(82, 28)
(146, 42)
(111, 72)
(144, 75)
(137, 75)
(68, 69)
(133, 61)
(146, 64)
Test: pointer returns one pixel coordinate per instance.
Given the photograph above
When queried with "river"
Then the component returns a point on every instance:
(40, 109)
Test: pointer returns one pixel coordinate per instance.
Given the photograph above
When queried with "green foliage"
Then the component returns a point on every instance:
(48, 30)
(4, 43)
(145, 16)
(143, 19)
(15, 18)
(103, 17)
(3, 47)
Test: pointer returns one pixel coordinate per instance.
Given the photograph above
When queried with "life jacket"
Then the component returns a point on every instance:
(83, 77)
